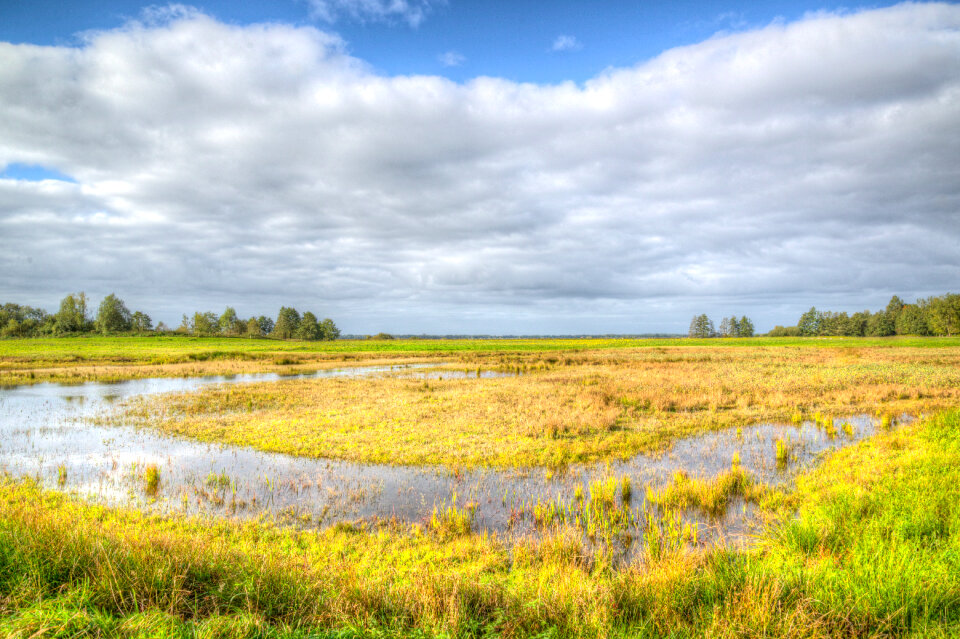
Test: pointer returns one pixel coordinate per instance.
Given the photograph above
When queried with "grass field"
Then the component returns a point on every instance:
(24, 361)
(874, 550)
(864, 544)
(565, 408)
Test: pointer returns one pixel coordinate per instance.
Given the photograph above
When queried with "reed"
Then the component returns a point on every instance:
(151, 476)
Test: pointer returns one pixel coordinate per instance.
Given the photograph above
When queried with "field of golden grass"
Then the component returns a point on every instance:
(561, 408)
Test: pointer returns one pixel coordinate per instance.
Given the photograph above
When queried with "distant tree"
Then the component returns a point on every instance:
(288, 320)
(880, 325)
(141, 322)
(72, 316)
(834, 323)
(943, 314)
(858, 323)
(381, 336)
(329, 330)
(745, 327)
(11, 329)
(728, 327)
(809, 323)
(253, 327)
(894, 306)
(229, 323)
(308, 328)
(701, 326)
(784, 331)
(162, 328)
(112, 315)
(266, 325)
(205, 323)
(912, 321)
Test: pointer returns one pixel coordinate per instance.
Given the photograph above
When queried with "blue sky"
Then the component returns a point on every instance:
(460, 168)
(513, 40)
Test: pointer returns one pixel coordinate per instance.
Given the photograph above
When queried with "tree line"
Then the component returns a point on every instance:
(113, 316)
(702, 326)
(928, 316)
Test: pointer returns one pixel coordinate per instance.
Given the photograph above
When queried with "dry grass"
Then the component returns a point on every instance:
(578, 407)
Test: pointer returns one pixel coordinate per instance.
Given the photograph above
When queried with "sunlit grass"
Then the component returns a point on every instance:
(566, 409)
(868, 547)
(711, 496)
(85, 358)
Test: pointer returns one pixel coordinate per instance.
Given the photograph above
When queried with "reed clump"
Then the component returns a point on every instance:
(151, 478)
(712, 496)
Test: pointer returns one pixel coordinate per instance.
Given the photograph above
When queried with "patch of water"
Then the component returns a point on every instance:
(45, 432)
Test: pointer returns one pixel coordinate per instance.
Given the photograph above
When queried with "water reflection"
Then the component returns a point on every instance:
(45, 433)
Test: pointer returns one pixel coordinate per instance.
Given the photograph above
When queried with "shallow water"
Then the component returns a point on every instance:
(46, 429)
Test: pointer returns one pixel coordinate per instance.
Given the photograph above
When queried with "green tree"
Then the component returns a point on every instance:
(141, 322)
(253, 327)
(329, 330)
(880, 325)
(288, 320)
(266, 325)
(809, 323)
(894, 306)
(912, 321)
(728, 327)
(72, 316)
(112, 315)
(943, 314)
(229, 323)
(745, 327)
(859, 322)
(205, 323)
(784, 331)
(308, 328)
(701, 326)
(11, 328)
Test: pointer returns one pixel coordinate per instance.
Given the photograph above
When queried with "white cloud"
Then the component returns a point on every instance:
(413, 12)
(451, 59)
(811, 162)
(566, 43)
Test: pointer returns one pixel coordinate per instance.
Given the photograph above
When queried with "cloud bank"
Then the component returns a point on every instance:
(814, 161)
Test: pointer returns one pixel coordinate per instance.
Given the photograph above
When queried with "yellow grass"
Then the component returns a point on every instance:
(579, 407)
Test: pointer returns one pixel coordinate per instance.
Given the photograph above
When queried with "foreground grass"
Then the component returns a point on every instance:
(578, 407)
(874, 550)
(85, 358)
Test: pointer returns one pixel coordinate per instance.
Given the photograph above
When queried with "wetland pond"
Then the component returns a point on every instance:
(47, 431)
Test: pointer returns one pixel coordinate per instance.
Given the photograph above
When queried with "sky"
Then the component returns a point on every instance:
(414, 166)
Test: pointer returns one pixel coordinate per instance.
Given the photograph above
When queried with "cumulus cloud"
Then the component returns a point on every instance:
(758, 172)
(451, 59)
(412, 12)
(565, 43)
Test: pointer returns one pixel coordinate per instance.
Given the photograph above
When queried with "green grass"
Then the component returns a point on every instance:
(711, 496)
(145, 348)
(870, 547)
(91, 357)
